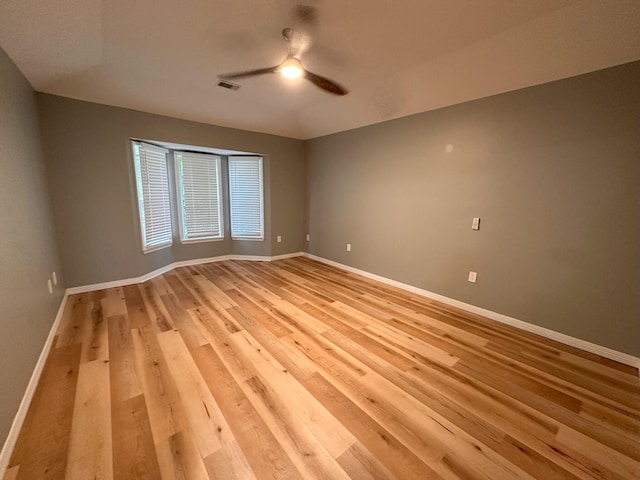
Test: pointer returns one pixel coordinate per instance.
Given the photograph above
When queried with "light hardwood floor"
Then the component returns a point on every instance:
(293, 369)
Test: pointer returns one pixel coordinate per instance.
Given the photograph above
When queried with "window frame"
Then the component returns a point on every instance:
(149, 245)
(217, 160)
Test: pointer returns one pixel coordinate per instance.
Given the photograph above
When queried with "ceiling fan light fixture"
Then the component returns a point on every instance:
(291, 68)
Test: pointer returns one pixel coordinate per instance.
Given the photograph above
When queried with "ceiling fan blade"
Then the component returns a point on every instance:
(325, 84)
(248, 73)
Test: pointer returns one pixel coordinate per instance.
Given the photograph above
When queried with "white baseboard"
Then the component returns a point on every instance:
(21, 414)
(287, 255)
(514, 322)
(166, 268)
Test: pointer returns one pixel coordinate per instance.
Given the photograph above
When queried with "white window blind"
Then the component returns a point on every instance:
(198, 177)
(154, 205)
(245, 194)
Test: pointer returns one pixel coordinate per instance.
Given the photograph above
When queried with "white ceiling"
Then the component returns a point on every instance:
(397, 57)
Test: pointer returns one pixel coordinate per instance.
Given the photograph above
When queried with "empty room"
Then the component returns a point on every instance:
(319, 239)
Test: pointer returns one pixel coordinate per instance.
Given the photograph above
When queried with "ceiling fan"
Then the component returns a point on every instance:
(291, 66)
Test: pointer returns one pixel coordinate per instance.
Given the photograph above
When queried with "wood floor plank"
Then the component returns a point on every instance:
(408, 342)
(316, 418)
(360, 463)
(189, 331)
(199, 406)
(450, 407)
(392, 453)
(294, 369)
(264, 452)
(157, 313)
(95, 344)
(349, 380)
(534, 431)
(12, 473)
(533, 462)
(90, 441)
(360, 340)
(454, 440)
(124, 377)
(207, 424)
(73, 321)
(248, 308)
(166, 413)
(452, 468)
(180, 290)
(113, 301)
(625, 423)
(622, 392)
(304, 449)
(179, 459)
(211, 287)
(136, 309)
(602, 454)
(134, 452)
(561, 413)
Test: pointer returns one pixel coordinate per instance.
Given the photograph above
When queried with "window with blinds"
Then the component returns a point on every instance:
(199, 206)
(154, 204)
(246, 198)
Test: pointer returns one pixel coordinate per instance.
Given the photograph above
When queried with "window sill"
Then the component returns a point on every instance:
(200, 240)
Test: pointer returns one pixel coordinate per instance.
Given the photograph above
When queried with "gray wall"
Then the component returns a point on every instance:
(91, 177)
(27, 242)
(554, 173)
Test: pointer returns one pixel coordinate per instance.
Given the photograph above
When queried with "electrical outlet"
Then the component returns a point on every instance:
(278, 239)
(475, 225)
(348, 247)
(55, 278)
(308, 237)
(473, 276)
(50, 285)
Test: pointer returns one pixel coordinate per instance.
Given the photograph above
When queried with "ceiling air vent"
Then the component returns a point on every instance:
(229, 85)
